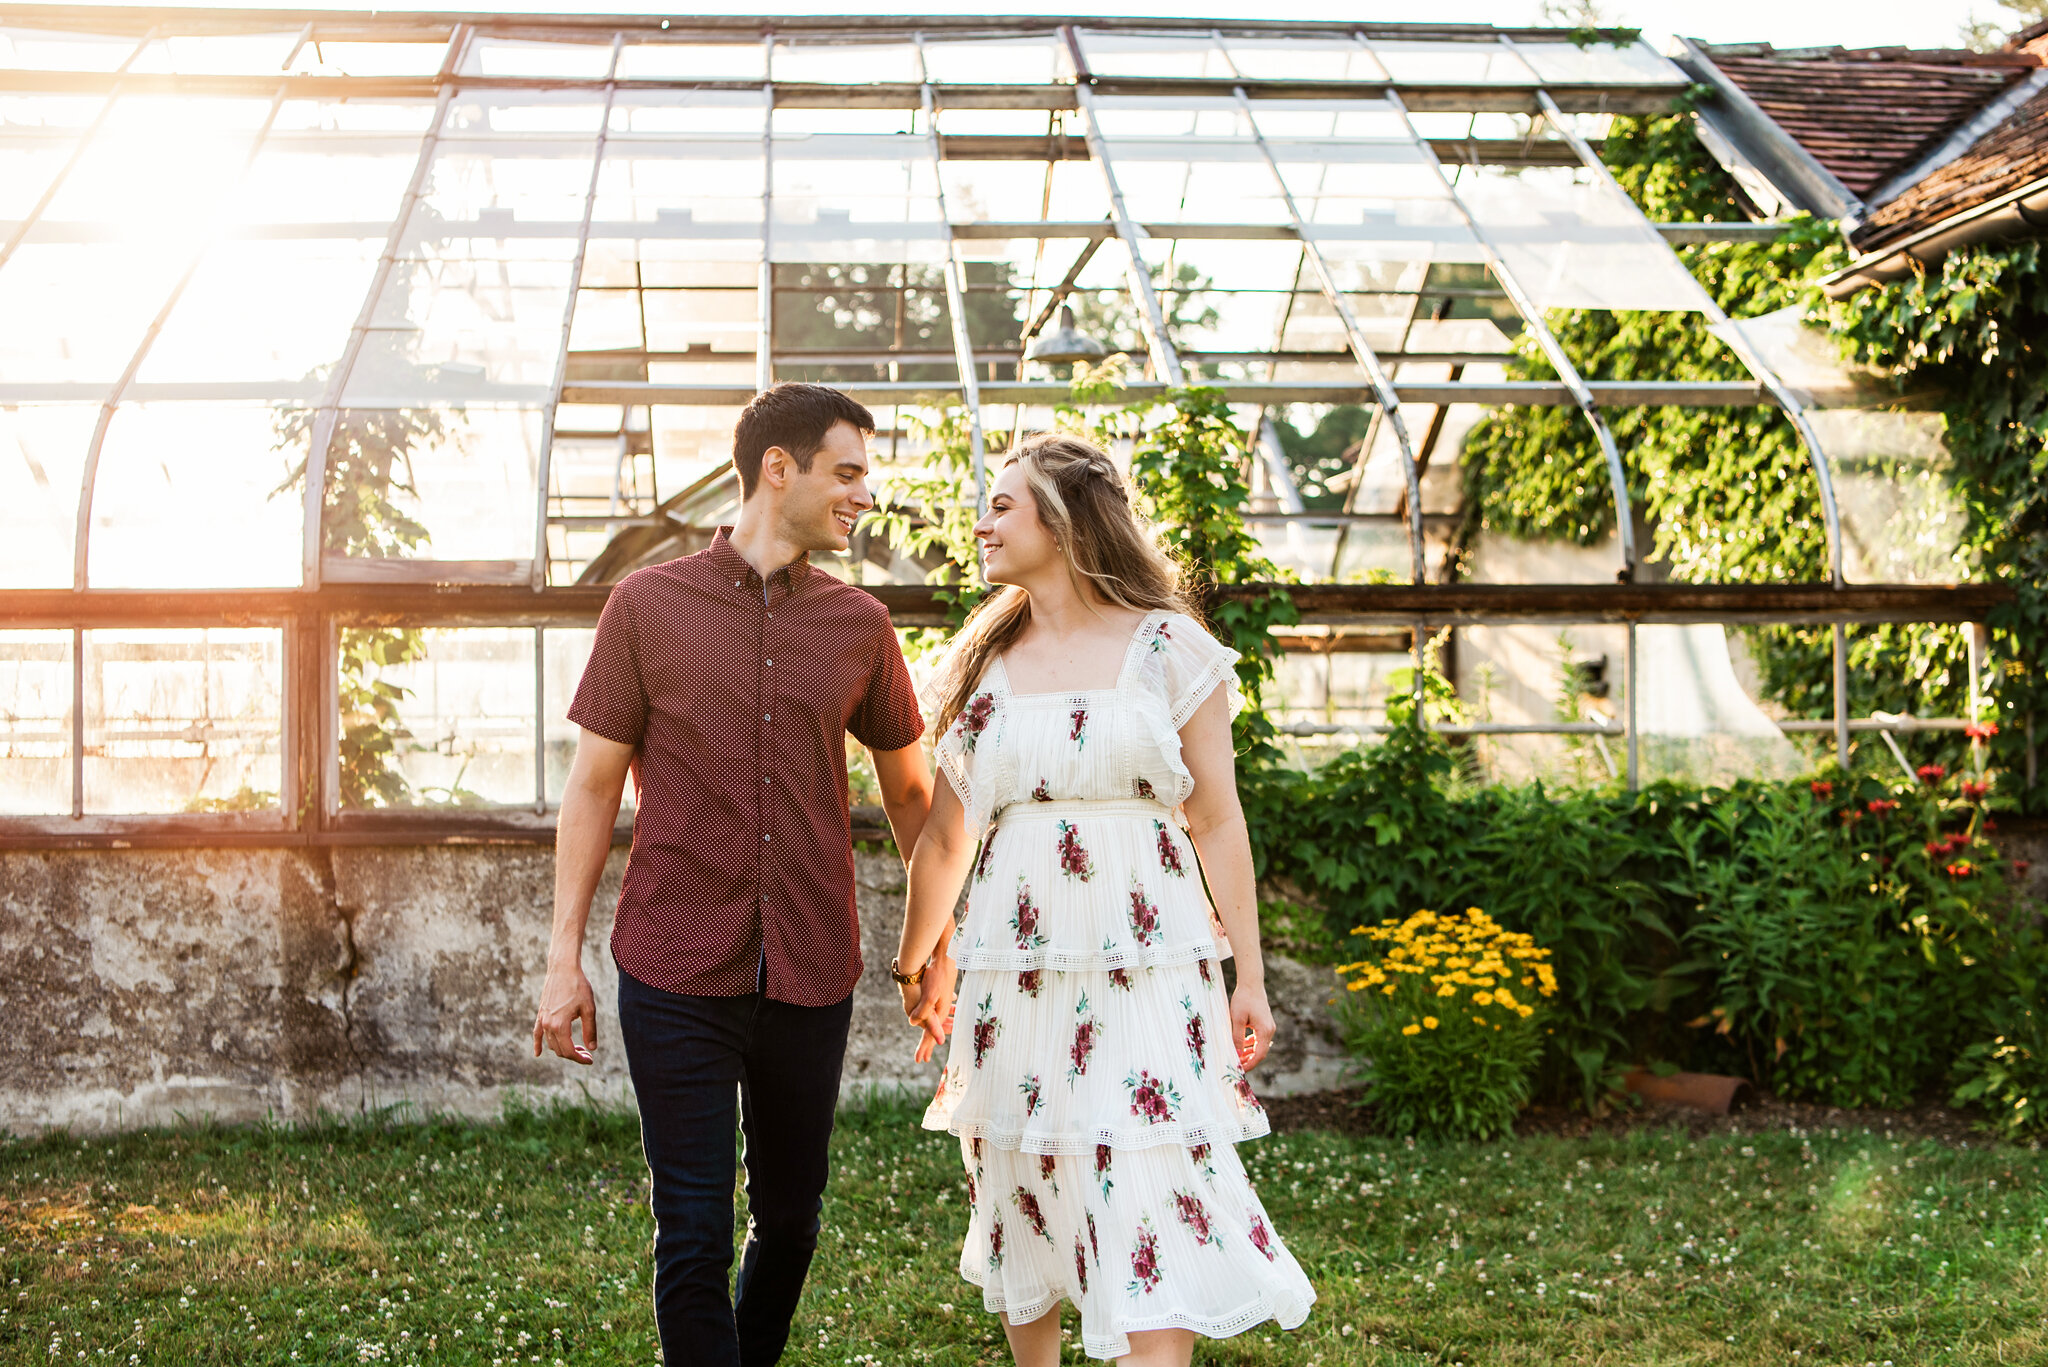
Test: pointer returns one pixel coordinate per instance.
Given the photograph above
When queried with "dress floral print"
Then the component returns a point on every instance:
(1098, 1129)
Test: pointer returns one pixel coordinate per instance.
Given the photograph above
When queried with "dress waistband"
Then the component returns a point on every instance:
(1068, 809)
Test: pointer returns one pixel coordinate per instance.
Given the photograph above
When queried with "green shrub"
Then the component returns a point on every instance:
(1446, 1014)
(1840, 940)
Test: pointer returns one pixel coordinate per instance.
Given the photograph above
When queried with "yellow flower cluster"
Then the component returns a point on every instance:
(1440, 958)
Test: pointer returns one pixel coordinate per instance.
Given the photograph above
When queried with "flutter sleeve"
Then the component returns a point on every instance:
(960, 749)
(1196, 664)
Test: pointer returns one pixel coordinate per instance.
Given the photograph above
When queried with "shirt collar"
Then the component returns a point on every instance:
(732, 565)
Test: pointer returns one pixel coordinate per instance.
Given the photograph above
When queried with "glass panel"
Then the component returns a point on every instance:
(1698, 724)
(75, 300)
(1902, 516)
(567, 649)
(516, 57)
(999, 61)
(322, 57)
(194, 495)
(1425, 63)
(1303, 59)
(1599, 63)
(439, 482)
(845, 63)
(456, 329)
(35, 723)
(40, 50)
(459, 728)
(1149, 54)
(856, 197)
(183, 720)
(1517, 675)
(226, 54)
(42, 455)
(37, 136)
(1181, 160)
(1571, 241)
(693, 62)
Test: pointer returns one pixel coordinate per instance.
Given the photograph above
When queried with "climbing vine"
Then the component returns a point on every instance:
(1729, 495)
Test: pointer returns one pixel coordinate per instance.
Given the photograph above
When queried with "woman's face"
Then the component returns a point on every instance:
(1015, 545)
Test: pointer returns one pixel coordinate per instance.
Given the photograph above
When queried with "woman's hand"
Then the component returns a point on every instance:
(933, 1012)
(1251, 1025)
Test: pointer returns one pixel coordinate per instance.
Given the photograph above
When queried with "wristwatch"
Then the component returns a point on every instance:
(905, 979)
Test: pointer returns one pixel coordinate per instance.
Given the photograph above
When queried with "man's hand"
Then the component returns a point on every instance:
(933, 1011)
(565, 999)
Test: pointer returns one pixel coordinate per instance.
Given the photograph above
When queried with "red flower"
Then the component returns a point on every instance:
(2020, 866)
(1145, 1261)
(1084, 1044)
(1094, 1248)
(1025, 922)
(1120, 977)
(1850, 816)
(1046, 1162)
(1081, 1264)
(1262, 1238)
(1152, 1099)
(1930, 774)
(1974, 792)
(1198, 1035)
(1030, 980)
(1980, 730)
(1041, 793)
(974, 719)
(1144, 789)
(1822, 788)
(1192, 1213)
(1103, 1156)
(1074, 859)
(1029, 1086)
(1169, 852)
(986, 1028)
(995, 1243)
(1962, 868)
(1879, 806)
(988, 854)
(1199, 1156)
(1079, 733)
(1144, 916)
(1027, 1206)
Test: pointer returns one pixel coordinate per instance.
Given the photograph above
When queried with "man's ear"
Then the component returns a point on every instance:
(776, 467)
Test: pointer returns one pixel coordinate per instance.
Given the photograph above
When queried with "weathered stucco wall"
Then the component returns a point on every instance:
(145, 985)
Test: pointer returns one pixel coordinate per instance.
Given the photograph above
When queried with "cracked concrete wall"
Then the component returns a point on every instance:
(146, 985)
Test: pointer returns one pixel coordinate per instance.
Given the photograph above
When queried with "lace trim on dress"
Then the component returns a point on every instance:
(1291, 1312)
(1219, 668)
(1075, 1143)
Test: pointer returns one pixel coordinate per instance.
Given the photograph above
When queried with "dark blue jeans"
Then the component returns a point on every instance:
(690, 1057)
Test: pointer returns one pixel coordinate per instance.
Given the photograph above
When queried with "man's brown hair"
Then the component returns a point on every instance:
(795, 417)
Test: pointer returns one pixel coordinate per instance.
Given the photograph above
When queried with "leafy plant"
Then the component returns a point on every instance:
(1189, 469)
(933, 509)
(1444, 1013)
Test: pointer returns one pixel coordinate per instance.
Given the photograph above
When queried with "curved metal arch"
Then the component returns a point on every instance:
(538, 576)
(88, 480)
(1751, 359)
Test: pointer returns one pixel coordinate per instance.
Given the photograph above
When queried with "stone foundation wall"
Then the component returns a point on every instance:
(142, 986)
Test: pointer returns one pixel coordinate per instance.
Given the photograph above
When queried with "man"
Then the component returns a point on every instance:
(725, 682)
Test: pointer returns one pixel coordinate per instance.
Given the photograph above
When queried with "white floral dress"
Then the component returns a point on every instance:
(1091, 1077)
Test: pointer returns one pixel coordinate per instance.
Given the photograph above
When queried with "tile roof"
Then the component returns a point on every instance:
(1868, 113)
(2003, 160)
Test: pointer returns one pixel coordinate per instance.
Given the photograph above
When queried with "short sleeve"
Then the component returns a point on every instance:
(1195, 664)
(610, 698)
(887, 717)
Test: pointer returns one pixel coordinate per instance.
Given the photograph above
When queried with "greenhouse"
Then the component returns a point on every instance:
(345, 360)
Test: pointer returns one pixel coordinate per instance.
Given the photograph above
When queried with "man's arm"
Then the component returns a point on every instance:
(906, 793)
(583, 840)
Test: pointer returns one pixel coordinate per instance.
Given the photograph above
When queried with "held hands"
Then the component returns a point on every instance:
(1251, 1024)
(565, 999)
(932, 1011)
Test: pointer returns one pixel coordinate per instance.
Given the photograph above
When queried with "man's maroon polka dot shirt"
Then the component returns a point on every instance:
(737, 697)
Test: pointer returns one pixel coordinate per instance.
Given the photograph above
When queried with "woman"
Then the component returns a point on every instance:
(1097, 1082)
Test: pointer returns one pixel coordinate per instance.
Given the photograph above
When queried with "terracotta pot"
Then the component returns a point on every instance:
(1702, 1091)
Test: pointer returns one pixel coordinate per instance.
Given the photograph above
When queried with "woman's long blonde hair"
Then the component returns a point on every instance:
(1107, 544)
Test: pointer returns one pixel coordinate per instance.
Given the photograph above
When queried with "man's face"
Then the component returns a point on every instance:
(819, 506)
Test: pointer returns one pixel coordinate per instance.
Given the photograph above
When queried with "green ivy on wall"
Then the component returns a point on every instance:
(1729, 494)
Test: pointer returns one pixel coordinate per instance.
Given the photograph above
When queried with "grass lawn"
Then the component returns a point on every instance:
(527, 1242)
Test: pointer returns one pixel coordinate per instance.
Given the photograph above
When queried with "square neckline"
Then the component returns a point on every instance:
(1138, 634)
